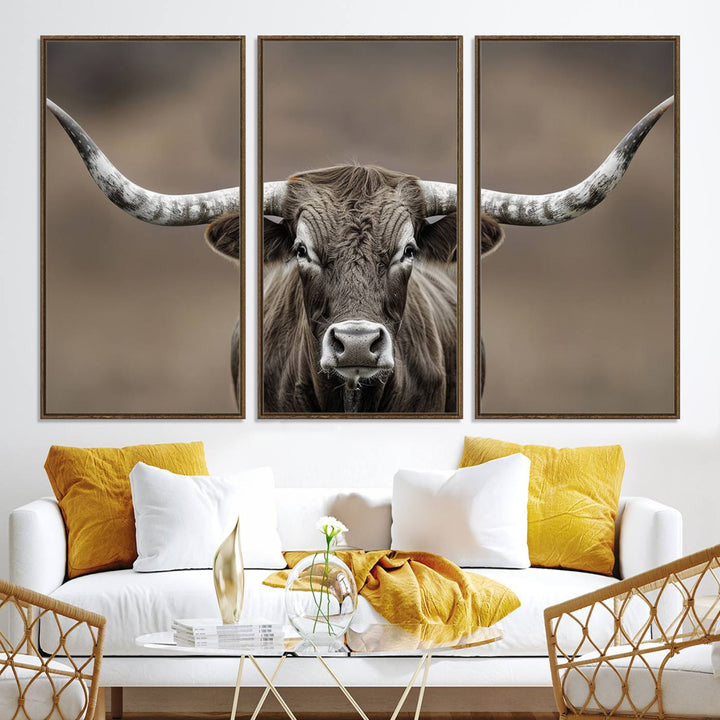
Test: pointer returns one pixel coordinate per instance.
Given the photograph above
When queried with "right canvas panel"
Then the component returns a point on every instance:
(577, 237)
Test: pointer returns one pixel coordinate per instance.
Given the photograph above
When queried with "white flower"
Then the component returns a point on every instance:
(330, 526)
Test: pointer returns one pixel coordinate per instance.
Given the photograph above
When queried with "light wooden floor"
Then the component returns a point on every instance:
(372, 716)
(333, 716)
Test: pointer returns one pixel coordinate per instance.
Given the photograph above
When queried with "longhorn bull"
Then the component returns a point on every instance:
(374, 351)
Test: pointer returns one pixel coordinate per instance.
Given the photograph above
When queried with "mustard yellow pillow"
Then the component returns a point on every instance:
(572, 501)
(93, 490)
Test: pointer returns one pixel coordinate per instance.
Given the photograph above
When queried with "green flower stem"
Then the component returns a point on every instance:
(318, 602)
(327, 582)
(324, 588)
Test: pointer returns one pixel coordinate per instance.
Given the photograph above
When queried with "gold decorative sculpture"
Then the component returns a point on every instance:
(229, 577)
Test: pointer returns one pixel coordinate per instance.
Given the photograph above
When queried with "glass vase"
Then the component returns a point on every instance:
(321, 599)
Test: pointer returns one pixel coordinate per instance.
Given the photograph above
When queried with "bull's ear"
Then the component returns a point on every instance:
(223, 236)
(277, 241)
(438, 240)
(491, 235)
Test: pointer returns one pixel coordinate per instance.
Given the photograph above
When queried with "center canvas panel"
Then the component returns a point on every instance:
(359, 308)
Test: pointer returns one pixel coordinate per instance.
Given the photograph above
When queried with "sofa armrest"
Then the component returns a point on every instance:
(649, 535)
(38, 546)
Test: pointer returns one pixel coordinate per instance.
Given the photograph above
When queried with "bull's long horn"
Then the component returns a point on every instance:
(440, 197)
(557, 207)
(274, 197)
(152, 207)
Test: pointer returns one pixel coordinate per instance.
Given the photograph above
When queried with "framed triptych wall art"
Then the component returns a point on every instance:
(360, 269)
(359, 192)
(577, 291)
(143, 312)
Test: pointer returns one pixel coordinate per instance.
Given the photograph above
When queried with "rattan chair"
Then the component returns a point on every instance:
(640, 648)
(54, 682)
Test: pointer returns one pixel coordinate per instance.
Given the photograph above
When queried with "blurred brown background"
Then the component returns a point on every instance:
(579, 317)
(139, 317)
(389, 102)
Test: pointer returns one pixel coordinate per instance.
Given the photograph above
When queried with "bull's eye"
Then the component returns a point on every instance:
(409, 252)
(301, 251)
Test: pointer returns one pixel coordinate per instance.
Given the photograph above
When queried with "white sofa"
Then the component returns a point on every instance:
(512, 674)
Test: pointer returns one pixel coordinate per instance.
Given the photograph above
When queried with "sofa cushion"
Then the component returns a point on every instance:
(572, 501)
(139, 603)
(688, 684)
(93, 490)
(182, 519)
(38, 699)
(475, 516)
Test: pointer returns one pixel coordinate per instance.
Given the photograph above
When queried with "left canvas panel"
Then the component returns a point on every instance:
(142, 227)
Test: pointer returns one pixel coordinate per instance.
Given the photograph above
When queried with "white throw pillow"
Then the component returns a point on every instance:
(180, 520)
(716, 659)
(475, 516)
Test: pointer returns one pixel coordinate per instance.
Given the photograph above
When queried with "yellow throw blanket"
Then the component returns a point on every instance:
(417, 588)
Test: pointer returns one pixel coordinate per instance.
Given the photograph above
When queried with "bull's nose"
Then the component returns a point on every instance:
(356, 349)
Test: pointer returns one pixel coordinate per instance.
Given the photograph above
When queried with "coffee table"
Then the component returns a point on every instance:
(425, 641)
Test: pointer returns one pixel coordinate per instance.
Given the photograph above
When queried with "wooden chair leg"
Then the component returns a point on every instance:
(100, 705)
(116, 703)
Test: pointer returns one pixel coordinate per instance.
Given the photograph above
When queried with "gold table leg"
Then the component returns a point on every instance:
(270, 682)
(421, 694)
(272, 688)
(424, 660)
(423, 664)
(266, 692)
(237, 687)
(345, 691)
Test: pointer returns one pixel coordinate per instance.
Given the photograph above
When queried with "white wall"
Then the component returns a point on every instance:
(677, 462)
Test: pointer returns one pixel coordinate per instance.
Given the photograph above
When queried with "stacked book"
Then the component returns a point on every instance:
(253, 635)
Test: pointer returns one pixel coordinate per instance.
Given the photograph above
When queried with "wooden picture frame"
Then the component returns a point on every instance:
(135, 326)
(342, 104)
(579, 320)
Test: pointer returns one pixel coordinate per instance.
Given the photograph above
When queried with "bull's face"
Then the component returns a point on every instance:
(354, 273)
(354, 257)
